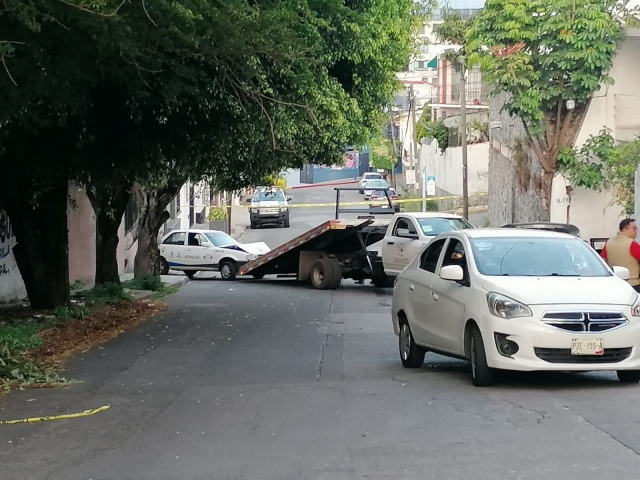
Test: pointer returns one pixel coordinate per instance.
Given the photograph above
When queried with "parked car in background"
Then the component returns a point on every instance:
(372, 186)
(368, 176)
(191, 251)
(517, 299)
(380, 196)
(269, 205)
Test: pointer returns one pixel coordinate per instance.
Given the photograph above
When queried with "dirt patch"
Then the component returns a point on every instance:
(102, 325)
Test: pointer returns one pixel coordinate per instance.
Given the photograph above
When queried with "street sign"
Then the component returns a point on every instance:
(431, 185)
(410, 177)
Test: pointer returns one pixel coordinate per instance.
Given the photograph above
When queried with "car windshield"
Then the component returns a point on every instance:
(220, 239)
(377, 183)
(537, 257)
(372, 176)
(269, 196)
(437, 225)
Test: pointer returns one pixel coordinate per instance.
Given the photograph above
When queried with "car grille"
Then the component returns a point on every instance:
(269, 210)
(563, 355)
(585, 322)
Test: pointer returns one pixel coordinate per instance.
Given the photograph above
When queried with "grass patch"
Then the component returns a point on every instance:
(432, 205)
(146, 282)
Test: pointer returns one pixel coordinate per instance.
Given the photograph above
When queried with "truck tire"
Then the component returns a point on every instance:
(286, 222)
(253, 225)
(337, 274)
(322, 274)
(383, 281)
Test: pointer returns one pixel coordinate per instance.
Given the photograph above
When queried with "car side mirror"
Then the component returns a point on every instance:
(404, 233)
(289, 199)
(621, 272)
(248, 200)
(453, 273)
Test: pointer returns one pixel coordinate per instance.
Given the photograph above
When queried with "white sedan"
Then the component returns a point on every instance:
(517, 300)
(190, 251)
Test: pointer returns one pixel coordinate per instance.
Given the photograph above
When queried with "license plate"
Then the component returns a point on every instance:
(591, 346)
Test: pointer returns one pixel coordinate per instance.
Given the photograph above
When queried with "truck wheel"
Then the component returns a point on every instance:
(190, 273)
(164, 266)
(253, 225)
(383, 281)
(337, 274)
(228, 270)
(286, 222)
(322, 274)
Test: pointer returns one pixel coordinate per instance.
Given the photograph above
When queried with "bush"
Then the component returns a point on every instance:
(146, 282)
(217, 213)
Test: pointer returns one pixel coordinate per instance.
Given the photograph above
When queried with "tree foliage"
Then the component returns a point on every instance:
(112, 94)
(543, 53)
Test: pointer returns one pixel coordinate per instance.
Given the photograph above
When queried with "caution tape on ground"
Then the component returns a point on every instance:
(86, 413)
(366, 202)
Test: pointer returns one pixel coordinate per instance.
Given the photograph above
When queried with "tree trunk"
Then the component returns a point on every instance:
(42, 246)
(152, 217)
(109, 210)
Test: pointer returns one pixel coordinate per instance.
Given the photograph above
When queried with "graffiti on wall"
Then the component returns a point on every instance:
(7, 242)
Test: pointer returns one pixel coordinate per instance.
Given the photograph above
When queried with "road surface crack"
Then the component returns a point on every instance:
(321, 359)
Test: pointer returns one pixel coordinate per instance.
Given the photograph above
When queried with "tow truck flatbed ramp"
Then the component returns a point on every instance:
(333, 237)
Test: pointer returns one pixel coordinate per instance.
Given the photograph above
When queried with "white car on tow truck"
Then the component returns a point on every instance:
(191, 251)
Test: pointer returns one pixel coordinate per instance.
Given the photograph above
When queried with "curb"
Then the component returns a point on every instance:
(326, 184)
(149, 293)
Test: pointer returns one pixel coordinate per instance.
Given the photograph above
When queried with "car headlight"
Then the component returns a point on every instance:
(283, 209)
(635, 310)
(254, 210)
(505, 307)
(251, 257)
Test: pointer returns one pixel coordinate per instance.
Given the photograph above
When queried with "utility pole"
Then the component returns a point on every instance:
(463, 128)
(414, 158)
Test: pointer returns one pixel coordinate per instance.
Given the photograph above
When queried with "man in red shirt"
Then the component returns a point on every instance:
(623, 251)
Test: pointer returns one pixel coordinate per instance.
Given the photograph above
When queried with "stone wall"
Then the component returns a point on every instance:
(515, 175)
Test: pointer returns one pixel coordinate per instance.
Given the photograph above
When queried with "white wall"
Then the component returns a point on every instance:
(447, 167)
(616, 107)
(11, 284)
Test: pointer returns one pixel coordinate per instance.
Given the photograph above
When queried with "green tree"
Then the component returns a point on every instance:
(550, 57)
(112, 94)
(382, 154)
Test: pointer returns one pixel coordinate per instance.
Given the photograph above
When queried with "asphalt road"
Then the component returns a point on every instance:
(269, 380)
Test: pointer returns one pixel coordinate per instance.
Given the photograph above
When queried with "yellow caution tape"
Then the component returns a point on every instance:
(348, 204)
(86, 413)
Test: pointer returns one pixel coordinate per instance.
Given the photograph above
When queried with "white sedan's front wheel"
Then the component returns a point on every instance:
(228, 270)
(481, 374)
(412, 355)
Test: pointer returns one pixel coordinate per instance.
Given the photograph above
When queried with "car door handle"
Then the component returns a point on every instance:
(434, 296)
(389, 243)
(412, 287)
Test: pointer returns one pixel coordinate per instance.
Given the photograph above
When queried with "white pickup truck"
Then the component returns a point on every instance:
(408, 233)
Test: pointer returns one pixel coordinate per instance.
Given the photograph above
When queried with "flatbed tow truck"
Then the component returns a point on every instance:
(333, 250)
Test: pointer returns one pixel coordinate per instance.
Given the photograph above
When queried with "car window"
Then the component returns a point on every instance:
(433, 226)
(220, 239)
(370, 176)
(377, 184)
(269, 196)
(403, 223)
(537, 257)
(456, 255)
(196, 239)
(429, 258)
(175, 239)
